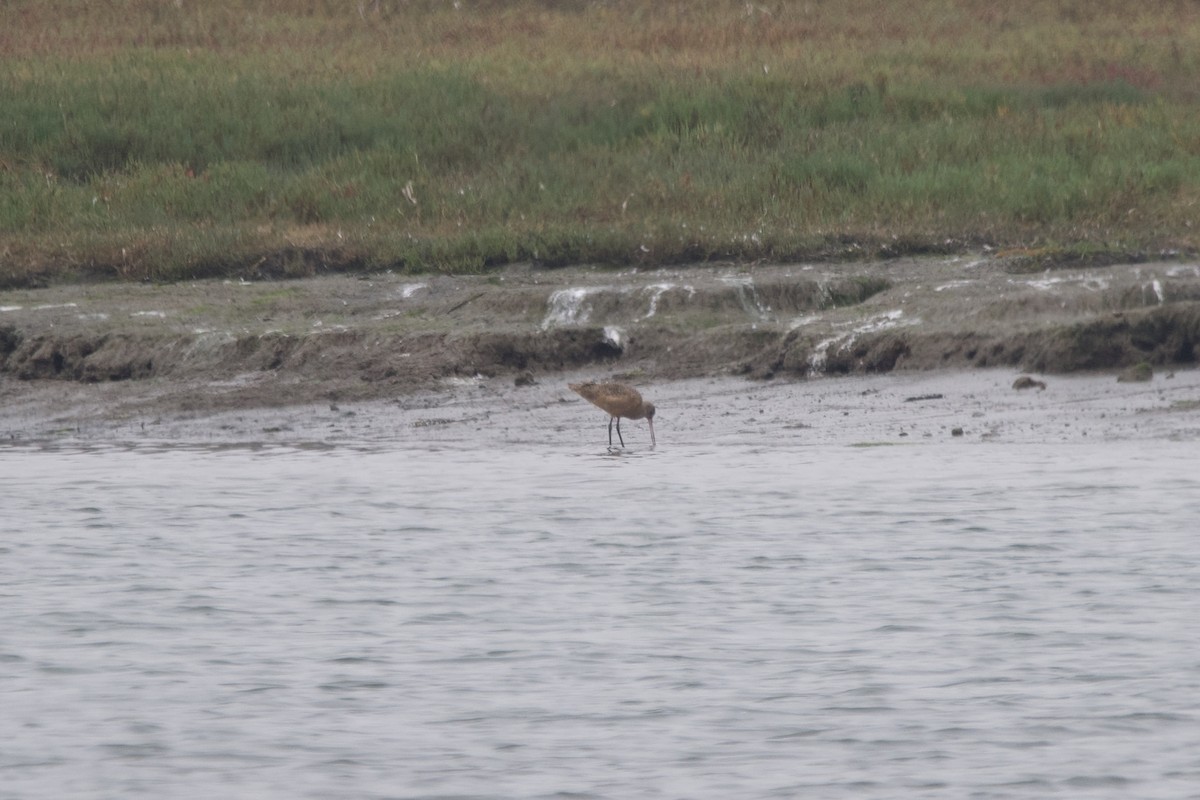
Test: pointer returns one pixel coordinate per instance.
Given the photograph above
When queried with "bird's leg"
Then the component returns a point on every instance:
(619, 436)
(610, 421)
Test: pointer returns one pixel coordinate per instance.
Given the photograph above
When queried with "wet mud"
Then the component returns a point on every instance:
(209, 347)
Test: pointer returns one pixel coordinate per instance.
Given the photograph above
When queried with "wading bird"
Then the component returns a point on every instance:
(617, 400)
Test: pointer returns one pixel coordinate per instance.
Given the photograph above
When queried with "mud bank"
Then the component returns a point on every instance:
(933, 408)
(213, 346)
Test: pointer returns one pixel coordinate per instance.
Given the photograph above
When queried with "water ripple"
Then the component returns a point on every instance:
(723, 622)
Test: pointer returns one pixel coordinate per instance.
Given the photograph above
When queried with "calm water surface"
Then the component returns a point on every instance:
(991, 621)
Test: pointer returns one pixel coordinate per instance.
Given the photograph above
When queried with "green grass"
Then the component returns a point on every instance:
(156, 142)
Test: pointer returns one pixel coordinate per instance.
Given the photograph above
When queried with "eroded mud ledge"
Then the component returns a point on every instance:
(220, 345)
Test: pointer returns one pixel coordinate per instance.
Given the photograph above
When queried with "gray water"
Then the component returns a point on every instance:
(992, 621)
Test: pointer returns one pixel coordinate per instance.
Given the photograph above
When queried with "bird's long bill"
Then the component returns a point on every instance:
(650, 422)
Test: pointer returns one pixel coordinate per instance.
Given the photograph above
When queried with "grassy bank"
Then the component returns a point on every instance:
(151, 140)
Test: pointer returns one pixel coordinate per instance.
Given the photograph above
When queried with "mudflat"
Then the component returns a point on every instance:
(378, 355)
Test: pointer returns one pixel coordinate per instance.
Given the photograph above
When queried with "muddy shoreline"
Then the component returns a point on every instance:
(115, 352)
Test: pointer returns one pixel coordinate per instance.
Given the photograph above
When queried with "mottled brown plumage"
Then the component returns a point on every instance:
(617, 400)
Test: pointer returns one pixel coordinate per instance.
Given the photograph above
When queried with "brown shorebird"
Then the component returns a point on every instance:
(618, 400)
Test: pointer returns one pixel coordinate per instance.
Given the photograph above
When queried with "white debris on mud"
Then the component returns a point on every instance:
(880, 322)
(569, 306)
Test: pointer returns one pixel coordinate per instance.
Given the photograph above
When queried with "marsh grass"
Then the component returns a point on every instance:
(159, 141)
